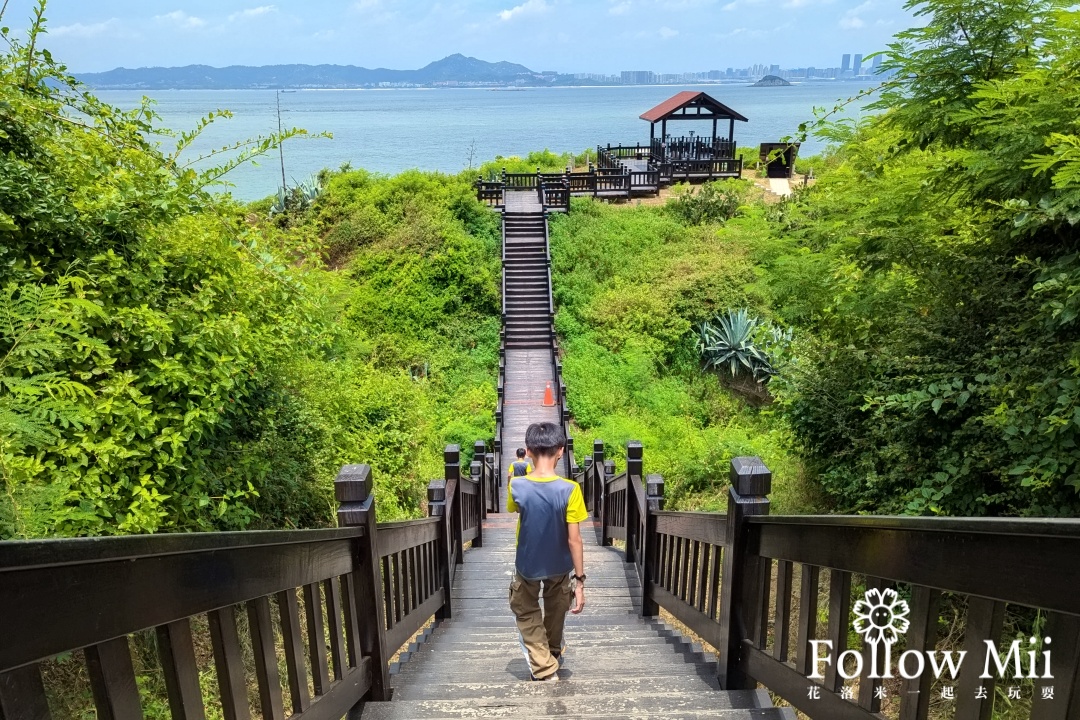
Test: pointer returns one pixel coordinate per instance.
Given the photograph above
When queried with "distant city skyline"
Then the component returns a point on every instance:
(668, 36)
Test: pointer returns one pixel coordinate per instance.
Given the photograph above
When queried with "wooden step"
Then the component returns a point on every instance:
(657, 704)
(578, 687)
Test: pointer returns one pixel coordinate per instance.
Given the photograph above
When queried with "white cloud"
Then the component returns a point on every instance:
(529, 7)
(85, 31)
(667, 33)
(252, 12)
(730, 6)
(620, 9)
(181, 19)
(851, 19)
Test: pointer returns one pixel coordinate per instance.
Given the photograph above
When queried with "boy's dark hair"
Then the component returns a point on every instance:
(544, 439)
(521, 452)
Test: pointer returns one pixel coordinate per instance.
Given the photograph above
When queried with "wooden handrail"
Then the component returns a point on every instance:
(51, 590)
(407, 550)
(731, 577)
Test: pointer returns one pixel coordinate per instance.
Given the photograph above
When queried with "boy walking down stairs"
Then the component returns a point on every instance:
(549, 547)
(621, 665)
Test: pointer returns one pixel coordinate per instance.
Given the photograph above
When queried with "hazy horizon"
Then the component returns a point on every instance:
(665, 36)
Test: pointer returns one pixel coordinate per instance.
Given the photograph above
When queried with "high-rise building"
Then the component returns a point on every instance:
(637, 77)
(774, 69)
(877, 64)
(846, 66)
(858, 65)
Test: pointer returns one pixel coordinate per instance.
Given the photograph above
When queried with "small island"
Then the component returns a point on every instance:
(771, 81)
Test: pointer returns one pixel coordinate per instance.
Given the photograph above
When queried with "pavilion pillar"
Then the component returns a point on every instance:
(663, 129)
(714, 132)
(731, 130)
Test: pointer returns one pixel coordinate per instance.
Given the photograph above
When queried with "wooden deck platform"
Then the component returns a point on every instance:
(521, 201)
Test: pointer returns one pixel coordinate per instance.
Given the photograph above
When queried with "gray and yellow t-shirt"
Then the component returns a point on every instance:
(546, 506)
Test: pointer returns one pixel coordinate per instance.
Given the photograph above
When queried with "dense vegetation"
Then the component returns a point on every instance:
(172, 361)
(935, 268)
(631, 284)
(930, 278)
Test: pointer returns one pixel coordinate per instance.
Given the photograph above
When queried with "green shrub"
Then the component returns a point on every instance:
(714, 201)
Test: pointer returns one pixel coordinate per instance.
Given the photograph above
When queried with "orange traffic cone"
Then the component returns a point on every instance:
(549, 397)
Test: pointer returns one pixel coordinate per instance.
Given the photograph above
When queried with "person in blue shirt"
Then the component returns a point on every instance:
(549, 548)
(520, 467)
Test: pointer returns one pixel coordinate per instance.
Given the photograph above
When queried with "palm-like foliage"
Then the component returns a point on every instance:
(38, 324)
(738, 341)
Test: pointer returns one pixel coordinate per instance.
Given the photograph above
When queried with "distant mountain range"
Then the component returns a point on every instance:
(455, 69)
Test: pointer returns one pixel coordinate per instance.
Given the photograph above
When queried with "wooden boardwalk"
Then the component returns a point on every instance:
(521, 201)
(527, 375)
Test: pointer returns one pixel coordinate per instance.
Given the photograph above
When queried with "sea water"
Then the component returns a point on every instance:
(445, 129)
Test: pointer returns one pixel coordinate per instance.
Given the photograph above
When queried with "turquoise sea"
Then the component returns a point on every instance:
(396, 129)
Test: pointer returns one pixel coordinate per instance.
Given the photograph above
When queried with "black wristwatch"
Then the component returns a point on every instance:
(579, 578)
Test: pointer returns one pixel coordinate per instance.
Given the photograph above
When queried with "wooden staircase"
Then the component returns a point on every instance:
(617, 664)
(525, 273)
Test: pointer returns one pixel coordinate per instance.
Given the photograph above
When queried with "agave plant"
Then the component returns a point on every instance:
(733, 341)
(279, 203)
(297, 198)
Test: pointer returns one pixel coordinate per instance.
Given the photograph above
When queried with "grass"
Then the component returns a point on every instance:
(631, 283)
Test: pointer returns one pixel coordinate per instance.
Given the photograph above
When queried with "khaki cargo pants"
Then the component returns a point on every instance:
(541, 632)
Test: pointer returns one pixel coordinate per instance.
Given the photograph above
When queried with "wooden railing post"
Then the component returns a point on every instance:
(633, 512)
(493, 479)
(437, 508)
(356, 507)
(476, 472)
(452, 474)
(479, 451)
(605, 511)
(598, 477)
(741, 588)
(654, 502)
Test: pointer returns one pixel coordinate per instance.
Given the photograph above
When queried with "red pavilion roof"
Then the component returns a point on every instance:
(689, 99)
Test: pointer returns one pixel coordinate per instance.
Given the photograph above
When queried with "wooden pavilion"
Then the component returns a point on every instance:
(693, 106)
(622, 171)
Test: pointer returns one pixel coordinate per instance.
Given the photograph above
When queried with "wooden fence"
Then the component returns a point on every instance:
(366, 588)
(752, 585)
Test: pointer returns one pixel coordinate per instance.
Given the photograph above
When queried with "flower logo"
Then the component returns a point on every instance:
(881, 616)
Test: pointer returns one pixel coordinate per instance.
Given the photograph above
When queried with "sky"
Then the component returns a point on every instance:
(602, 36)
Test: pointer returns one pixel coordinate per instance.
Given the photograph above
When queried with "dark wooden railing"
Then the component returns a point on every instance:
(639, 152)
(749, 585)
(554, 194)
(483, 472)
(690, 148)
(673, 170)
(489, 193)
(520, 181)
(367, 588)
(645, 181)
